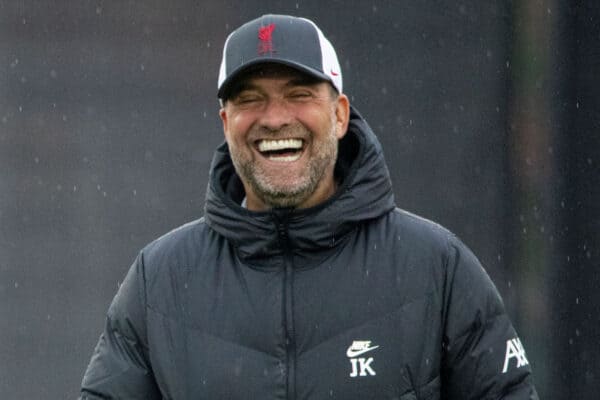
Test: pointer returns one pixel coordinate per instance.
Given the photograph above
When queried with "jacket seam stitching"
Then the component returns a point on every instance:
(164, 315)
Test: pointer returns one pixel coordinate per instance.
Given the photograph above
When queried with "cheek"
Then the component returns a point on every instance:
(237, 127)
(322, 125)
(313, 120)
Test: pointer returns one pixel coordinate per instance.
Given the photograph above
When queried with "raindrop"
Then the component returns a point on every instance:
(16, 285)
(53, 74)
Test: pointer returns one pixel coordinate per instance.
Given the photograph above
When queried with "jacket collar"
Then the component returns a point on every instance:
(364, 193)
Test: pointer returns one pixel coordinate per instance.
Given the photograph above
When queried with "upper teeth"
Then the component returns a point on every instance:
(271, 145)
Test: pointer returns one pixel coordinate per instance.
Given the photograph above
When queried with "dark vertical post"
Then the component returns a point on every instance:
(577, 289)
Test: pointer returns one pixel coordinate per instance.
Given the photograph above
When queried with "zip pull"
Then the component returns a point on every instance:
(281, 217)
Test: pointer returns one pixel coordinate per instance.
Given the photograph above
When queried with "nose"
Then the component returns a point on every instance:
(276, 114)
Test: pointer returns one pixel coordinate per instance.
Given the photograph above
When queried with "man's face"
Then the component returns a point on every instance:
(282, 129)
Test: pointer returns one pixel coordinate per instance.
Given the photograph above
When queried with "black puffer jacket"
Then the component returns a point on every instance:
(352, 299)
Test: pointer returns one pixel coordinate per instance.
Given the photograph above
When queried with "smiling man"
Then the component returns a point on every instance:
(282, 128)
(303, 280)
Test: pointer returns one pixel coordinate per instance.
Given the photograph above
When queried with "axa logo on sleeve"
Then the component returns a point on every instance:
(361, 366)
(514, 349)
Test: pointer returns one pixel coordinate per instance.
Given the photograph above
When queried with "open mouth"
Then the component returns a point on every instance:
(282, 150)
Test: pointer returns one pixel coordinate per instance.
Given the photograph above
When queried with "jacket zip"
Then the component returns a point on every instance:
(288, 308)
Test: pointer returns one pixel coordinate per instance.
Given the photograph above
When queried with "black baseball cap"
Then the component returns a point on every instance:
(281, 39)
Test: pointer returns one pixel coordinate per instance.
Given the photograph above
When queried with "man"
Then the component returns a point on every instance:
(303, 280)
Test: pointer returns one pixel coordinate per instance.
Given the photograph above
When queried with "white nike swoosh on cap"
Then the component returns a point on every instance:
(355, 353)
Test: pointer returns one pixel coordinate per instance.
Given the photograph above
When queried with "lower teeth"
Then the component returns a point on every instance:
(292, 157)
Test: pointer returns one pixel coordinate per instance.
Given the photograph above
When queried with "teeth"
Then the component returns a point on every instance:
(271, 145)
(289, 158)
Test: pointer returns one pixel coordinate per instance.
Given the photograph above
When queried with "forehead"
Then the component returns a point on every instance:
(271, 71)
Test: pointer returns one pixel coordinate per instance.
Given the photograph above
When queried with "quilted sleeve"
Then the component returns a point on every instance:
(119, 368)
(483, 356)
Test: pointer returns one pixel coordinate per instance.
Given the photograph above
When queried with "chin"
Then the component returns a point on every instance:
(283, 198)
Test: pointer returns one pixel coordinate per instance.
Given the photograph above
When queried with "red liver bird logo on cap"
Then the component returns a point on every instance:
(265, 35)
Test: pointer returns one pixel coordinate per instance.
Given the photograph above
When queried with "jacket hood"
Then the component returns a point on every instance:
(364, 193)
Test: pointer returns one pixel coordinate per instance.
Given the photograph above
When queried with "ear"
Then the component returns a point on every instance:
(223, 115)
(342, 114)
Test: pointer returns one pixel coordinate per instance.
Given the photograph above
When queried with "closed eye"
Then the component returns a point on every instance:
(247, 99)
(300, 94)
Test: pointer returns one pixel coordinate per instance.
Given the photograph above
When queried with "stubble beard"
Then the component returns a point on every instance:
(323, 158)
